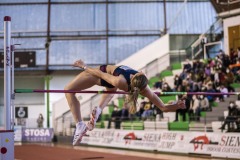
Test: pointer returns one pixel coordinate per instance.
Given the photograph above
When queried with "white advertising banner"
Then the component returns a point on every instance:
(6, 145)
(216, 144)
(213, 144)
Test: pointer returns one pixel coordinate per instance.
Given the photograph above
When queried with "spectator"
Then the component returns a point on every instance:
(175, 88)
(166, 87)
(157, 112)
(40, 120)
(223, 89)
(194, 110)
(204, 103)
(197, 66)
(177, 80)
(235, 57)
(148, 110)
(200, 76)
(216, 85)
(218, 62)
(211, 62)
(183, 112)
(216, 74)
(231, 118)
(225, 59)
(115, 117)
(208, 70)
(229, 80)
(187, 66)
(141, 109)
(189, 80)
(218, 98)
(195, 87)
(229, 76)
(124, 113)
(232, 56)
(207, 81)
(210, 89)
(158, 84)
(184, 74)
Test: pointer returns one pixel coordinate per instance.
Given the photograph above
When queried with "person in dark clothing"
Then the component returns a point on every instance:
(183, 112)
(232, 117)
(177, 80)
(210, 97)
(187, 66)
(158, 84)
(124, 113)
(115, 117)
(141, 109)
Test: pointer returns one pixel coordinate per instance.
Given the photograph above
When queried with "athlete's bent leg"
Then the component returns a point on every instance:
(97, 110)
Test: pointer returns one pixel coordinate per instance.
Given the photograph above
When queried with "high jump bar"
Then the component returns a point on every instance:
(119, 92)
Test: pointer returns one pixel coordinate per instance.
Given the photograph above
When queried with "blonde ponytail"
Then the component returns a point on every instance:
(138, 83)
(132, 101)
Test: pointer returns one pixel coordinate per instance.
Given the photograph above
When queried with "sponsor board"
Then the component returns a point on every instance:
(218, 145)
(37, 134)
(33, 134)
(214, 144)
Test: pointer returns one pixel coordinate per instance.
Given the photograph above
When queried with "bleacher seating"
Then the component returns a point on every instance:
(179, 126)
(155, 125)
(132, 125)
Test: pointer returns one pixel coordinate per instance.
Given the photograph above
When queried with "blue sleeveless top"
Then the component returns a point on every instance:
(123, 70)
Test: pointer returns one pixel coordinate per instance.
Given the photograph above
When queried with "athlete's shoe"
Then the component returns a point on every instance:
(80, 131)
(93, 119)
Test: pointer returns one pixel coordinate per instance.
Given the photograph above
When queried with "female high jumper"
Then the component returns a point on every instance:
(112, 78)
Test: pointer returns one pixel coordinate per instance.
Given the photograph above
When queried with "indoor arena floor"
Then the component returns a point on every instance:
(65, 152)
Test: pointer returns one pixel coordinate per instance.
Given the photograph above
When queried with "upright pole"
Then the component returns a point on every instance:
(47, 82)
(7, 72)
(12, 86)
(165, 17)
(107, 30)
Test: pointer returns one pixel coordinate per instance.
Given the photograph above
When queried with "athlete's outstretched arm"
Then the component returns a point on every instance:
(159, 103)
